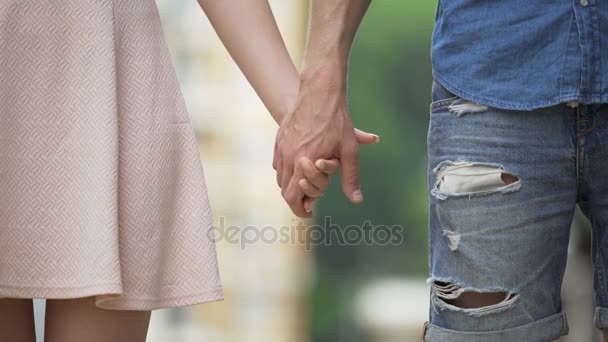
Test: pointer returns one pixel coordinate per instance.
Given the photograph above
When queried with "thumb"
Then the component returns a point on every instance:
(350, 173)
(366, 138)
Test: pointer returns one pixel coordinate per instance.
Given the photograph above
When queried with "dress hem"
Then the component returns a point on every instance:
(110, 296)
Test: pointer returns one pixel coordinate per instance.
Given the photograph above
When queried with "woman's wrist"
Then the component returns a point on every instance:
(284, 107)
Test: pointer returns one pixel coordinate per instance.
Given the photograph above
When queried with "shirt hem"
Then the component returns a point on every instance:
(514, 105)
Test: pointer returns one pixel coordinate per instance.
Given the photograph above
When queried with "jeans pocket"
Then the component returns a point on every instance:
(440, 96)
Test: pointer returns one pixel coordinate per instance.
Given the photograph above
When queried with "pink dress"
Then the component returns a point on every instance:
(102, 191)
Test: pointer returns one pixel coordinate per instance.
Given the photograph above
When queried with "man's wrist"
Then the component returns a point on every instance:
(326, 57)
(328, 50)
(328, 74)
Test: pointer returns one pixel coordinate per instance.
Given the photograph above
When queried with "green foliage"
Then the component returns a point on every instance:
(389, 94)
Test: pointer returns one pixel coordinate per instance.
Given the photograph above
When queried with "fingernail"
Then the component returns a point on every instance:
(376, 139)
(357, 196)
(308, 210)
(320, 164)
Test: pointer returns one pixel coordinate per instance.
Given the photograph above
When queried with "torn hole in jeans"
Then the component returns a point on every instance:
(462, 107)
(451, 296)
(463, 178)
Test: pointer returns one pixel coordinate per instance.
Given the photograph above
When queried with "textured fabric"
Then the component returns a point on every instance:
(513, 238)
(102, 191)
(521, 54)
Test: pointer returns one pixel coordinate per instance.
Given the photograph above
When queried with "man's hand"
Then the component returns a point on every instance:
(316, 175)
(320, 127)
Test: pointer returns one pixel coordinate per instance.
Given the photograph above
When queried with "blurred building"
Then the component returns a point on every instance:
(265, 283)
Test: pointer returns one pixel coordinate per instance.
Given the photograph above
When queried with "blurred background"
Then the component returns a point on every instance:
(286, 291)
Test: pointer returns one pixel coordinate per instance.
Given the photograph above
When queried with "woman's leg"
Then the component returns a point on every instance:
(78, 319)
(17, 320)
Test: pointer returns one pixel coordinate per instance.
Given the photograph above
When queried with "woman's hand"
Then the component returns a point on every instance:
(316, 175)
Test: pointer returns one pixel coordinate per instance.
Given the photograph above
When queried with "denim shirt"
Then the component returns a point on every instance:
(522, 54)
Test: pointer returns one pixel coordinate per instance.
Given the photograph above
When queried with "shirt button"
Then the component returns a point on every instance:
(584, 3)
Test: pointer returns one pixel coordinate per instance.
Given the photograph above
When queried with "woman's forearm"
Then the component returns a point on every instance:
(249, 32)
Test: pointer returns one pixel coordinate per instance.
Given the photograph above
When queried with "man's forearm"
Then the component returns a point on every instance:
(333, 26)
(320, 127)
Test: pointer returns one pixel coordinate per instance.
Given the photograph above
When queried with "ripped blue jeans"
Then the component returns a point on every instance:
(503, 186)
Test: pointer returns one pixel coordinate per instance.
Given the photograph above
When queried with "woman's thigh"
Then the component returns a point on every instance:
(79, 319)
(17, 320)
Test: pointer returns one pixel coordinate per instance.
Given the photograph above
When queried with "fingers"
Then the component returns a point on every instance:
(308, 204)
(350, 172)
(366, 138)
(294, 196)
(312, 175)
(293, 193)
(301, 191)
(328, 166)
(301, 195)
(309, 189)
(286, 173)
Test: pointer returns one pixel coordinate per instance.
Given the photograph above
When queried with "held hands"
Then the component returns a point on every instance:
(316, 175)
(320, 130)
